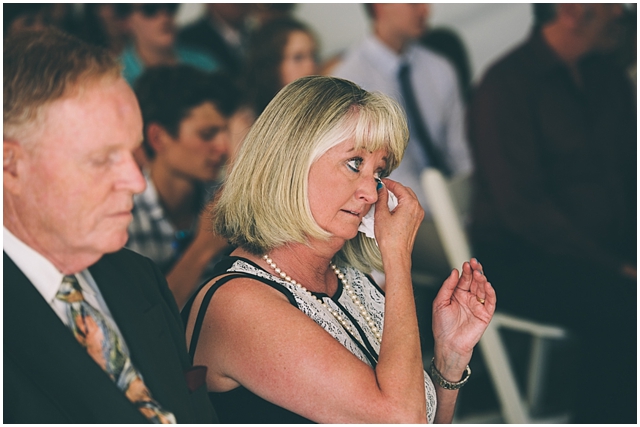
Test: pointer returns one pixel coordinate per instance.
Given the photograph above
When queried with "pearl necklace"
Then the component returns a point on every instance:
(348, 290)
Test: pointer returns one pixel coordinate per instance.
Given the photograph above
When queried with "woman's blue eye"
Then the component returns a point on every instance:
(354, 164)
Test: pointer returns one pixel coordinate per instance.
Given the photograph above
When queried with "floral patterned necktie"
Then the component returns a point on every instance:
(104, 345)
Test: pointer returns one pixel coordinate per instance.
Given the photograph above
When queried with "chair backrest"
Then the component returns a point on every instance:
(450, 203)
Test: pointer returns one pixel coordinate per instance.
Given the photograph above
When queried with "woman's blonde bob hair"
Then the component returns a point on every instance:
(264, 202)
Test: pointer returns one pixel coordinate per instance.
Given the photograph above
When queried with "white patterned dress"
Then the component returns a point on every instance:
(366, 347)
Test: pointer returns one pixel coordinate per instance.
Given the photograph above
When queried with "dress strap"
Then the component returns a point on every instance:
(209, 294)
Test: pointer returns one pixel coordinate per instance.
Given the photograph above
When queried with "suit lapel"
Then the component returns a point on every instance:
(37, 341)
(144, 326)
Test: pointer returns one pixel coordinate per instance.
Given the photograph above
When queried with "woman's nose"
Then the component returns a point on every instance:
(368, 190)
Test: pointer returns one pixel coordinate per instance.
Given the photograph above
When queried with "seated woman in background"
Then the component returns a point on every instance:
(292, 329)
(280, 52)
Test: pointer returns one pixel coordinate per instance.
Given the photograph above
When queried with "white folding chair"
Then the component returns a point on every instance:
(449, 202)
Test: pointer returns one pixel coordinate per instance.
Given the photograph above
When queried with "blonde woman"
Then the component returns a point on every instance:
(292, 329)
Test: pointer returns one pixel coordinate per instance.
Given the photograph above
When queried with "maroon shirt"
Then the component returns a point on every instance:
(555, 162)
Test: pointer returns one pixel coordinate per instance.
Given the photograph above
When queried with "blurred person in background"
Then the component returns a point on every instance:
(37, 16)
(153, 41)
(185, 113)
(223, 33)
(280, 52)
(24, 16)
(449, 44)
(267, 12)
(554, 136)
(627, 52)
(105, 24)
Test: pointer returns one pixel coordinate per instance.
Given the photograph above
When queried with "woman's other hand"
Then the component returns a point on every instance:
(462, 311)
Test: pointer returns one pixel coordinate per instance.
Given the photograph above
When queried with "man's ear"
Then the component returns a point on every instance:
(157, 137)
(12, 153)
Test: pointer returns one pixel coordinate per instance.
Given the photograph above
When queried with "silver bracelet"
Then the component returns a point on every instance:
(442, 382)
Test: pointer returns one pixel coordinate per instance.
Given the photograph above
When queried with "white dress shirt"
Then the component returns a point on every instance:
(374, 67)
(46, 278)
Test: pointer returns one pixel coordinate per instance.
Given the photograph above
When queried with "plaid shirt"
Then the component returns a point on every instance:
(151, 233)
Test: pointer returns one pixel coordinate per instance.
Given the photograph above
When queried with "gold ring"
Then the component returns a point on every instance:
(480, 300)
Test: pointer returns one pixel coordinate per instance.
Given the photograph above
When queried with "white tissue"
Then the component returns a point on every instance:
(366, 226)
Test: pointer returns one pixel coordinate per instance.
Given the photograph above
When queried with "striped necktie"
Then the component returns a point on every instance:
(105, 346)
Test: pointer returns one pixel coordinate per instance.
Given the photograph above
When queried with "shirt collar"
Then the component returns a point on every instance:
(385, 59)
(150, 199)
(40, 271)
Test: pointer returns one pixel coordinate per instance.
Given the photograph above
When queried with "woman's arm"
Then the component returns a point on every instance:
(253, 336)
(400, 353)
(461, 312)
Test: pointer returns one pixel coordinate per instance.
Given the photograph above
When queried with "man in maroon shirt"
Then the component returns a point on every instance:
(553, 133)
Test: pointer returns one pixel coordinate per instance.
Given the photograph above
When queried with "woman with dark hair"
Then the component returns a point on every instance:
(280, 52)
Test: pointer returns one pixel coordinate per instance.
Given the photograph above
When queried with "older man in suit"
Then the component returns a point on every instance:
(91, 332)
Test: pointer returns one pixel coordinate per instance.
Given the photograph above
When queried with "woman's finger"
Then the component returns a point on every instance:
(466, 278)
(490, 298)
(382, 204)
(479, 281)
(395, 187)
(446, 290)
(475, 264)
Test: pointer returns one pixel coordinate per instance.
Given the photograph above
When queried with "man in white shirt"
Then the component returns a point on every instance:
(92, 333)
(375, 65)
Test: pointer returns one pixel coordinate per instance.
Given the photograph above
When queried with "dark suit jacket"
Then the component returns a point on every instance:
(50, 378)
